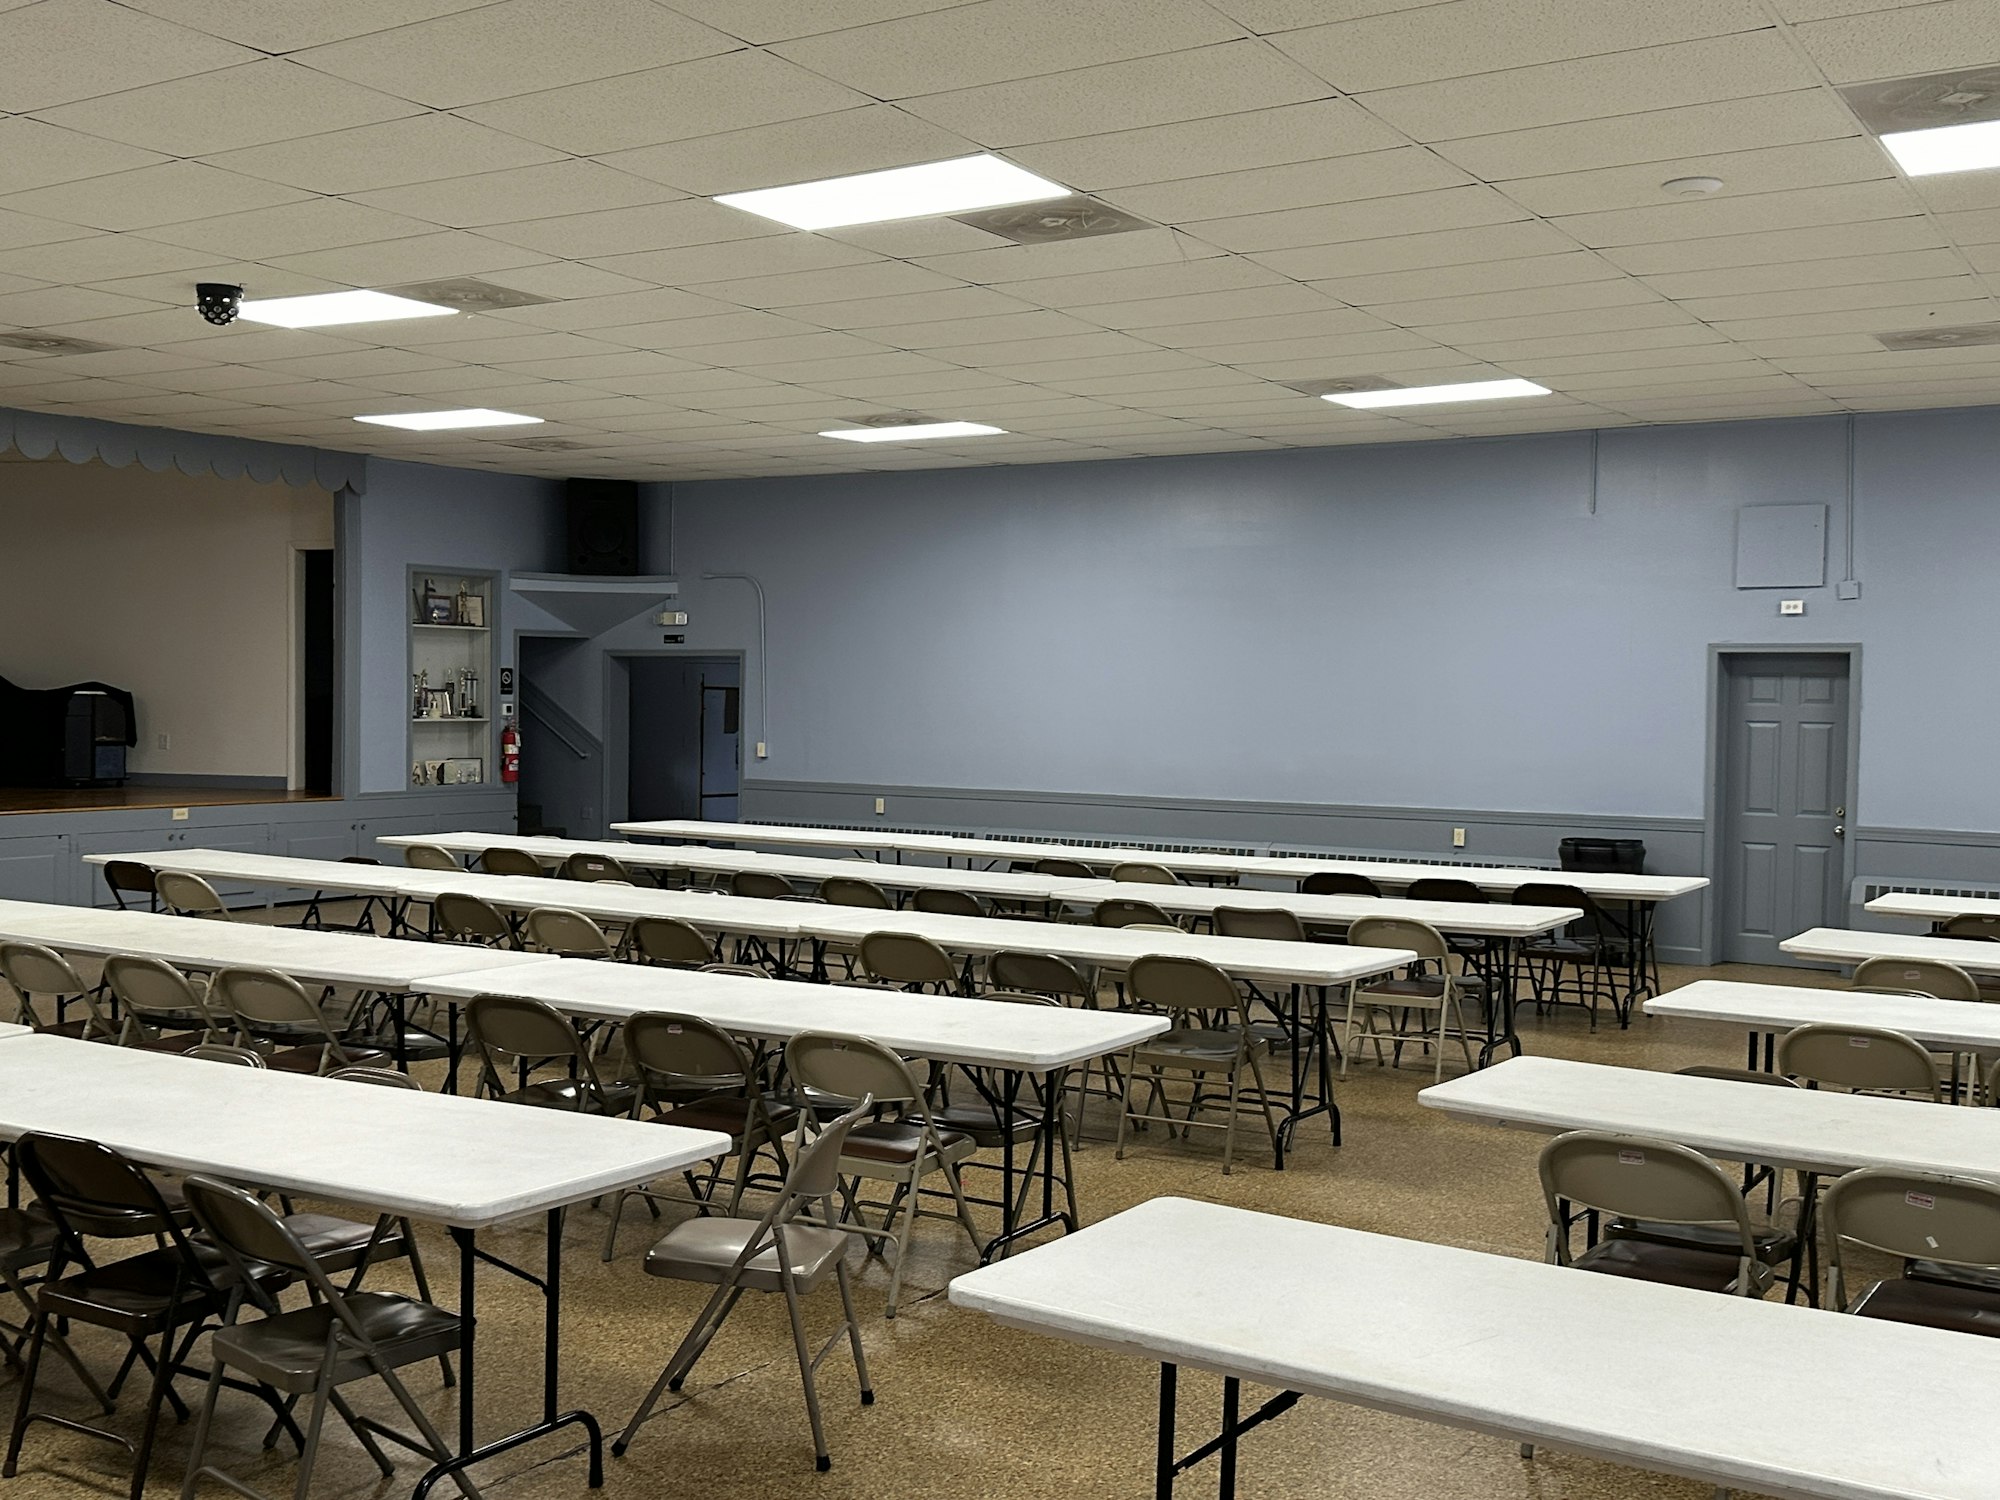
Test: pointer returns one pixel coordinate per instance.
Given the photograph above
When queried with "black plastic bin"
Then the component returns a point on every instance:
(1605, 856)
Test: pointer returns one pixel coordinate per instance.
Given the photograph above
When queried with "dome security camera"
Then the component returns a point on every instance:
(218, 301)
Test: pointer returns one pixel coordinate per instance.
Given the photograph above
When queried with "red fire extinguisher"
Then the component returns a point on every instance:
(510, 753)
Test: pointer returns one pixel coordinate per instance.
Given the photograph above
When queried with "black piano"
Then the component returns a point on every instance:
(66, 736)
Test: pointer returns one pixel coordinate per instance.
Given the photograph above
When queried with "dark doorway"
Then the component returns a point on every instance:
(316, 694)
(684, 727)
(1783, 800)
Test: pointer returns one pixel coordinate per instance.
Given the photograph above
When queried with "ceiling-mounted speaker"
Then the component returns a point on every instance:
(604, 526)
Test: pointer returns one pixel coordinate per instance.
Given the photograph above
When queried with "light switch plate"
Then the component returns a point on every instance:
(180, 815)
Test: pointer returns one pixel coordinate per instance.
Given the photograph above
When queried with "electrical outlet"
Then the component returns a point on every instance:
(180, 815)
(1458, 838)
(163, 741)
(1791, 606)
(881, 805)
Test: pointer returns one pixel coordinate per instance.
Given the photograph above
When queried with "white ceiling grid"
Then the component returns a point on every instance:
(1424, 190)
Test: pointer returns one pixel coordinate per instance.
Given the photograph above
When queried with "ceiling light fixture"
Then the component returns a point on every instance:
(913, 432)
(935, 188)
(1429, 395)
(441, 421)
(325, 309)
(1948, 148)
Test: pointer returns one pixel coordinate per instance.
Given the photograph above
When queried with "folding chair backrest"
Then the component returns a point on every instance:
(387, 1078)
(1866, 1059)
(906, 958)
(519, 1029)
(1041, 973)
(741, 971)
(34, 970)
(222, 1052)
(582, 866)
(846, 890)
(470, 919)
(1446, 888)
(267, 1003)
(1979, 925)
(850, 1067)
(669, 940)
(506, 861)
(1916, 976)
(1639, 1178)
(1178, 984)
(556, 929)
(430, 857)
(1065, 869)
(815, 1167)
(244, 1229)
(947, 903)
(1123, 911)
(1338, 883)
(1738, 1075)
(1549, 893)
(154, 990)
(1420, 938)
(188, 895)
(760, 885)
(127, 877)
(1916, 1215)
(681, 1049)
(1143, 872)
(1272, 923)
(92, 1189)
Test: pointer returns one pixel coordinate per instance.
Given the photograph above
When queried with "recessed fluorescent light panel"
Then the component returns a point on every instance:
(325, 309)
(914, 432)
(1434, 395)
(1949, 148)
(441, 421)
(939, 187)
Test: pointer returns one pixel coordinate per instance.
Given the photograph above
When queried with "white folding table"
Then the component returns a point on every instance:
(1765, 1010)
(465, 1163)
(1844, 945)
(1517, 1349)
(1934, 908)
(1018, 1042)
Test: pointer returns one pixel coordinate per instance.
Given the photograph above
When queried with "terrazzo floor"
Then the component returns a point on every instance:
(964, 1407)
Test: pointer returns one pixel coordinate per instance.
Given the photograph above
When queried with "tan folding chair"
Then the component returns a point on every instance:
(471, 919)
(1126, 911)
(276, 1009)
(793, 1249)
(1916, 976)
(1945, 1232)
(565, 934)
(1859, 1059)
(1211, 1037)
(901, 1150)
(510, 861)
(947, 903)
(865, 895)
(1022, 971)
(127, 877)
(164, 1010)
(1064, 869)
(583, 866)
(668, 941)
(1142, 872)
(34, 973)
(1434, 992)
(188, 895)
(431, 857)
(909, 961)
(521, 1036)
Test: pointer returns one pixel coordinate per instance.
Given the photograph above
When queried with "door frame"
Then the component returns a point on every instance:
(617, 723)
(1719, 654)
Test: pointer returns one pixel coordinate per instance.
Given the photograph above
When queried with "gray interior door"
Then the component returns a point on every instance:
(1783, 796)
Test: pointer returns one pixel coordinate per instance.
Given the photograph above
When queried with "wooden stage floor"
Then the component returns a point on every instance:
(57, 799)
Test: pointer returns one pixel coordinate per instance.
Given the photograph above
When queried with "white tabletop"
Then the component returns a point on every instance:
(1604, 886)
(1847, 946)
(1244, 958)
(1934, 908)
(1750, 1395)
(942, 1028)
(13, 1029)
(441, 1157)
(553, 851)
(347, 958)
(1810, 1129)
(1779, 1007)
(1492, 919)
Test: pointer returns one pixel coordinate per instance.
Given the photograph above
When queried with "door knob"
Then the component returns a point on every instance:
(1840, 830)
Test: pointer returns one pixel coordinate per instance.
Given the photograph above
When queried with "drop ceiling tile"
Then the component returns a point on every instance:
(1224, 143)
(1329, 322)
(1515, 303)
(674, 387)
(1204, 307)
(1984, 258)
(1653, 314)
(917, 239)
(1142, 283)
(1267, 356)
(878, 312)
(359, 365)
(612, 364)
(773, 256)
(1516, 353)
(67, 304)
(1977, 228)
(847, 141)
(297, 24)
(881, 278)
(1597, 382)
(562, 191)
(83, 48)
(742, 354)
(1155, 90)
(1571, 269)
(705, 97)
(1864, 319)
(1698, 72)
(1554, 366)
(148, 197)
(35, 155)
(1908, 40)
(288, 230)
(1777, 246)
(727, 325)
(613, 316)
(763, 21)
(1709, 218)
(1771, 384)
(1466, 37)
(565, 279)
(992, 41)
(415, 257)
(423, 148)
(1007, 264)
(1957, 192)
(1116, 387)
(1307, 185)
(630, 231)
(100, 257)
(517, 47)
(19, 230)
(1813, 164)
(1662, 135)
(1058, 372)
(820, 373)
(1840, 271)
(943, 333)
(1371, 218)
(1774, 304)
(1429, 249)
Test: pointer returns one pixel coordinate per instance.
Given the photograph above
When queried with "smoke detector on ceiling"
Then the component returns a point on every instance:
(464, 294)
(1965, 97)
(1954, 337)
(1344, 385)
(1692, 187)
(51, 343)
(1073, 218)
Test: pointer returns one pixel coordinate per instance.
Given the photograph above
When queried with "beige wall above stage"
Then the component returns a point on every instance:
(180, 589)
